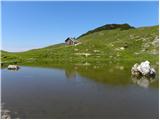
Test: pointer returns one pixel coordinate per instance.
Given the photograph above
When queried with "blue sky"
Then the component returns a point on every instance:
(28, 25)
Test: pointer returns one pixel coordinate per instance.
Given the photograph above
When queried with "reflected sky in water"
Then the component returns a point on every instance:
(35, 92)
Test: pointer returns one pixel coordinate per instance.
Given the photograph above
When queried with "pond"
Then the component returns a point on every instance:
(79, 92)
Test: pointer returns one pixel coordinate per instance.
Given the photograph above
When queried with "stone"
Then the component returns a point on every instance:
(13, 67)
(143, 69)
(134, 70)
(152, 72)
(96, 51)
(121, 48)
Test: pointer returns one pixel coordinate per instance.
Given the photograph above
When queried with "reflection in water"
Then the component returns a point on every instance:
(14, 70)
(143, 81)
(95, 92)
(70, 74)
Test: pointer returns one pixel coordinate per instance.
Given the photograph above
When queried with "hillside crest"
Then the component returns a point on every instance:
(124, 26)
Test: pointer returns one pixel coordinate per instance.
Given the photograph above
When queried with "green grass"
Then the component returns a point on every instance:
(105, 59)
(104, 46)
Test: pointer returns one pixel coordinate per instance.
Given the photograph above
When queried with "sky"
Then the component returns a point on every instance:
(29, 25)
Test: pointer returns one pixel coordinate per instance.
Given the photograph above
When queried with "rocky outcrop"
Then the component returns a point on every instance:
(144, 69)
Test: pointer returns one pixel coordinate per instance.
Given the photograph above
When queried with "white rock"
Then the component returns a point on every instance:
(13, 67)
(121, 48)
(152, 71)
(144, 68)
(134, 70)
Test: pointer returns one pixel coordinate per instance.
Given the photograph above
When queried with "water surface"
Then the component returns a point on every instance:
(35, 92)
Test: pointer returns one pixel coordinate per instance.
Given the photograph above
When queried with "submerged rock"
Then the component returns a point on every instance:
(5, 114)
(143, 69)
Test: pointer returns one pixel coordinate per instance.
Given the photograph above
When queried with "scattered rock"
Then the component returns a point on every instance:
(86, 64)
(136, 53)
(95, 67)
(77, 43)
(121, 48)
(155, 41)
(5, 114)
(76, 49)
(119, 67)
(154, 52)
(85, 54)
(96, 51)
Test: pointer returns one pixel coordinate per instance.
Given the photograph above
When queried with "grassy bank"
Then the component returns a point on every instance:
(97, 47)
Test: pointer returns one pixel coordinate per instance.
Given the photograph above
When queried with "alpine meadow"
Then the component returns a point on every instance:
(80, 60)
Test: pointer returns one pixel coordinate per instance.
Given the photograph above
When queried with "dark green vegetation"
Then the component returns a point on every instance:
(109, 27)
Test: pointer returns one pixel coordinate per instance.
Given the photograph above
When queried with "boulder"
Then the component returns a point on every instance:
(143, 69)
(134, 70)
(13, 67)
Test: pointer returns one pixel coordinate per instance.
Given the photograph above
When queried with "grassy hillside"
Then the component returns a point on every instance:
(109, 27)
(102, 45)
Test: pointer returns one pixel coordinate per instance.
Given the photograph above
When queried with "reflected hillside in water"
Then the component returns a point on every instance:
(113, 74)
(46, 91)
(70, 73)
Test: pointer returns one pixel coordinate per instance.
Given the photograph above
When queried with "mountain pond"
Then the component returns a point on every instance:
(78, 92)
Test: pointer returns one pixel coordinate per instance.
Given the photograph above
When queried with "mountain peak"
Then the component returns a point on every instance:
(124, 26)
(115, 26)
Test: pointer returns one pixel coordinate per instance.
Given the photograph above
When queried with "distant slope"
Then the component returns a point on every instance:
(109, 27)
(112, 43)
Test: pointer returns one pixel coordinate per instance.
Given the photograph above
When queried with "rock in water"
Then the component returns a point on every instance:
(152, 72)
(134, 70)
(13, 67)
(143, 69)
